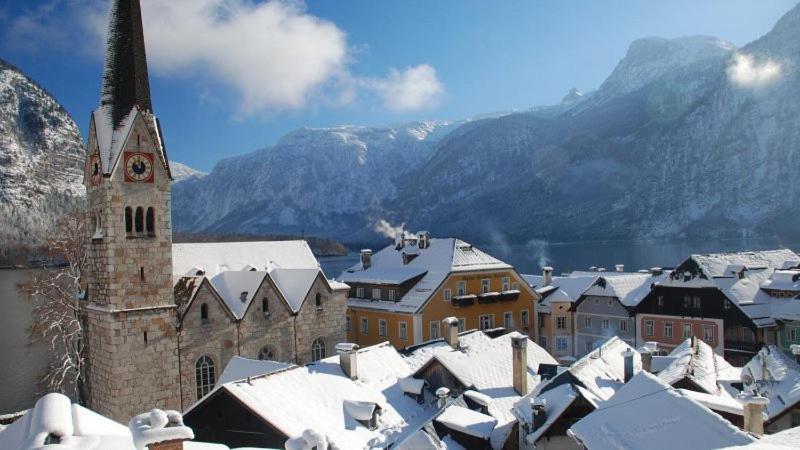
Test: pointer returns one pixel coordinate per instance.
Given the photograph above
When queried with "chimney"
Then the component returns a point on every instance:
(547, 275)
(424, 239)
(620, 267)
(441, 395)
(647, 352)
(451, 332)
(309, 440)
(796, 352)
(519, 355)
(399, 240)
(656, 271)
(366, 258)
(754, 413)
(159, 430)
(539, 409)
(628, 355)
(348, 359)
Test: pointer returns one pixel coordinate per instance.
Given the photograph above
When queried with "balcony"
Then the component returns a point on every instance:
(464, 300)
(488, 297)
(509, 296)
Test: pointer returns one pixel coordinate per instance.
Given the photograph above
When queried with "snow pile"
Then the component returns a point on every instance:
(158, 426)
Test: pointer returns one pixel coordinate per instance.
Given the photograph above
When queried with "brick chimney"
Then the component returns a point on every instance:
(519, 355)
(348, 359)
(754, 413)
(366, 258)
(547, 276)
(451, 332)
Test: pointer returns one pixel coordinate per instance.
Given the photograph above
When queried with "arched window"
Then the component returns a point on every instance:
(128, 220)
(139, 220)
(266, 353)
(317, 349)
(205, 376)
(204, 313)
(150, 222)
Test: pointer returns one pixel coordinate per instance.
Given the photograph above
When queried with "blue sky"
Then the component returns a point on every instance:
(232, 76)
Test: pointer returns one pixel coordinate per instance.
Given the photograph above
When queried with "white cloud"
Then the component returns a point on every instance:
(273, 55)
(745, 71)
(412, 89)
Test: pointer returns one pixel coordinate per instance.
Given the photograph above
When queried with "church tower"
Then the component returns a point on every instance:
(130, 310)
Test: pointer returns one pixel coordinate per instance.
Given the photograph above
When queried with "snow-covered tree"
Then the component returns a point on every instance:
(56, 296)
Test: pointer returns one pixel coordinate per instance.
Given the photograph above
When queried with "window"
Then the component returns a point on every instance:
(561, 323)
(515, 286)
(348, 323)
(610, 302)
(461, 288)
(605, 324)
(360, 292)
(696, 302)
(687, 301)
(708, 333)
(667, 329)
(485, 285)
(128, 220)
(648, 328)
(660, 300)
(541, 320)
(266, 353)
(486, 321)
(587, 321)
(139, 220)
(435, 329)
(448, 294)
(150, 222)
(318, 301)
(403, 331)
(392, 294)
(317, 349)
(524, 318)
(382, 328)
(623, 325)
(508, 320)
(204, 376)
(376, 294)
(204, 314)
(562, 343)
(588, 347)
(726, 304)
(687, 331)
(364, 325)
(462, 324)
(792, 334)
(506, 282)
(265, 307)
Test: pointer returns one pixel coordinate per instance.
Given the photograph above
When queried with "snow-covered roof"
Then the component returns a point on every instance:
(239, 368)
(556, 402)
(715, 264)
(783, 280)
(560, 289)
(314, 396)
(76, 427)
(467, 421)
(437, 261)
(629, 288)
(696, 361)
(648, 413)
(237, 289)
(775, 376)
(213, 258)
(386, 275)
(782, 440)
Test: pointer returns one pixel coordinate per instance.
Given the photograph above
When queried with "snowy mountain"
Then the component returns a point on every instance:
(182, 172)
(41, 160)
(686, 137)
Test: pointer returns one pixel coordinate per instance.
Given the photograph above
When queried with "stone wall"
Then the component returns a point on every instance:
(326, 322)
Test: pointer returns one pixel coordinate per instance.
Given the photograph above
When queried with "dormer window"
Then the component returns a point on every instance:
(243, 296)
(365, 413)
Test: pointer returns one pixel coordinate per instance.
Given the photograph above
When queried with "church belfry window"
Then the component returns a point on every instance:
(150, 221)
(205, 376)
(128, 220)
(139, 220)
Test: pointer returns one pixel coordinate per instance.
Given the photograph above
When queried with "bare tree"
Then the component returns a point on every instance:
(56, 296)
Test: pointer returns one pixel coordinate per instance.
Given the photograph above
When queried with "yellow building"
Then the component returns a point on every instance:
(402, 293)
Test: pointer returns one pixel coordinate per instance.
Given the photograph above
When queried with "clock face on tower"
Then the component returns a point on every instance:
(138, 167)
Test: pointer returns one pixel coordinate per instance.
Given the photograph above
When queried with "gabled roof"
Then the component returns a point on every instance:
(648, 413)
(775, 376)
(556, 402)
(628, 288)
(718, 264)
(694, 360)
(437, 261)
(237, 288)
(561, 289)
(239, 368)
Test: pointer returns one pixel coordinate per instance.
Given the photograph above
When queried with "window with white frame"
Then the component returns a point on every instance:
(486, 321)
(667, 329)
(376, 294)
(792, 334)
(448, 294)
(649, 328)
(605, 324)
(364, 325)
(486, 285)
(515, 286)
(561, 323)
(382, 328)
(562, 343)
(708, 333)
(434, 329)
(687, 331)
(623, 325)
(660, 300)
(587, 321)
(462, 324)
(360, 292)
(524, 318)
(506, 282)
(461, 288)
(205, 375)
(508, 320)
(543, 341)
(402, 331)
(392, 295)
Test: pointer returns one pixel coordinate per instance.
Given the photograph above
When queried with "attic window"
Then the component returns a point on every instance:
(243, 296)
(365, 413)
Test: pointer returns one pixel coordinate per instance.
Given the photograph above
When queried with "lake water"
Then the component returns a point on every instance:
(21, 364)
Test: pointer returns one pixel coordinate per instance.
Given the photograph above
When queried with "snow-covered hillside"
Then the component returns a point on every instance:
(41, 160)
(182, 172)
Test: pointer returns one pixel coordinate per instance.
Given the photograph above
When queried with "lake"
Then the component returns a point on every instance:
(21, 364)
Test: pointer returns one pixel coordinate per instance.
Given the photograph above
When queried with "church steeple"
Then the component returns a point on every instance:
(125, 79)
